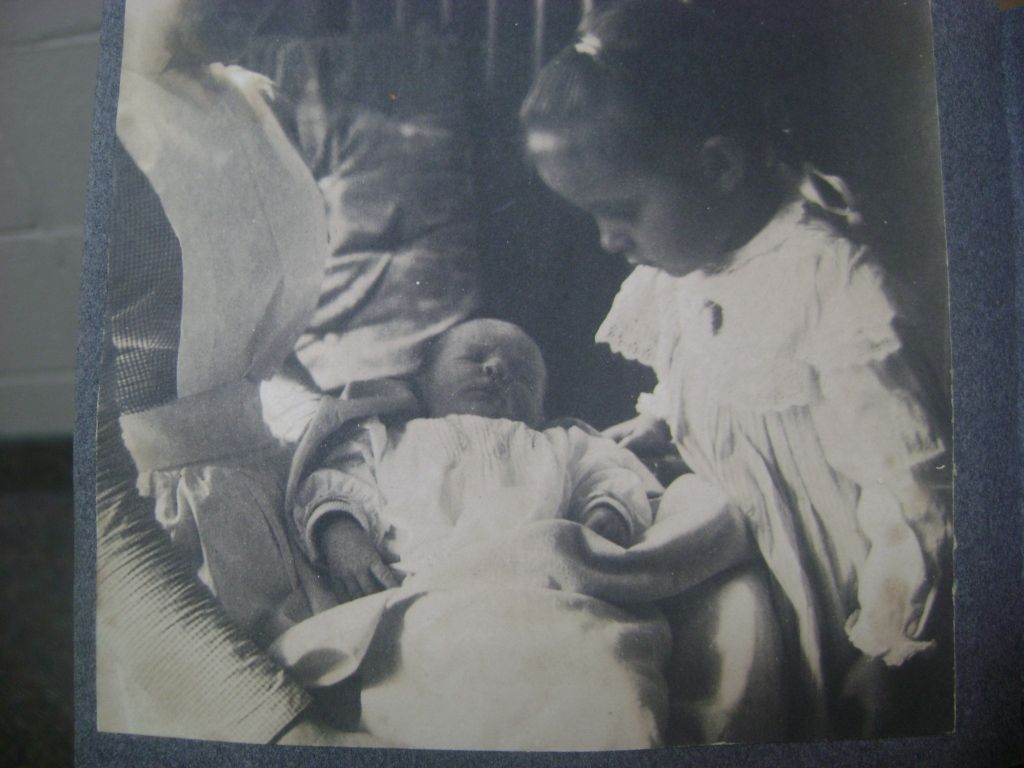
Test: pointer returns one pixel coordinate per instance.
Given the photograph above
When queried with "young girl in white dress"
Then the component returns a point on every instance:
(781, 377)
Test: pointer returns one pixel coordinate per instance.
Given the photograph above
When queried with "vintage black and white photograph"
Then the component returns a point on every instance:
(525, 375)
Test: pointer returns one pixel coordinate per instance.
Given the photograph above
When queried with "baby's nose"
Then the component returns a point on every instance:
(495, 368)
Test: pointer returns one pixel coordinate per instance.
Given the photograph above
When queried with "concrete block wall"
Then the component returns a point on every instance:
(48, 55)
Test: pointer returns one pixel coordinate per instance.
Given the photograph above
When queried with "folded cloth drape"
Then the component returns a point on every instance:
(544, 638)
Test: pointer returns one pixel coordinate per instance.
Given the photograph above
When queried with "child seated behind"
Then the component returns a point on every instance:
(476, 466)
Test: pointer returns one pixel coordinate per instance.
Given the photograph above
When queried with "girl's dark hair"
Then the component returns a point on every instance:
(660, 65)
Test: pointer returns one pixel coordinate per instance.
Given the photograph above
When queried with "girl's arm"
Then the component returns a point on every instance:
(877, 428)
(876, 433)
(644, 435)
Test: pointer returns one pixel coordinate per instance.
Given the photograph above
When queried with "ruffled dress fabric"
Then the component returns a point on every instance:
(785, 384)
(434, 486)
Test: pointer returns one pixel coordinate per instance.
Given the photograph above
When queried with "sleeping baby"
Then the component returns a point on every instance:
(393, 499)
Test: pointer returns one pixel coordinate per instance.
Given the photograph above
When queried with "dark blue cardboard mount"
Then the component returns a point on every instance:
(980, 68)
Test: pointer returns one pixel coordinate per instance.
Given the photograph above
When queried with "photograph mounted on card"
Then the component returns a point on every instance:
(525, 376)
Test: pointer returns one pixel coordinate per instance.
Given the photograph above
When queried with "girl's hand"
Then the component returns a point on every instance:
(644, 435)
(354, 566)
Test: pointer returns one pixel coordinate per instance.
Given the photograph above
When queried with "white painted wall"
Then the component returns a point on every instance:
(48, 55)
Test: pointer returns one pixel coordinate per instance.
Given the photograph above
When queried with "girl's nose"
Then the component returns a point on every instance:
(495, 368)
(614, 239)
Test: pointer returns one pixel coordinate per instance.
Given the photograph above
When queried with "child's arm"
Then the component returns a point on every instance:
(354, 565)
(647, 433)
(876, 430)
(644, 435)
(336, 512)
(897, 582)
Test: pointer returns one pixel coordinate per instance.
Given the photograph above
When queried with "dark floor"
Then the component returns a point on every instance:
(36, 533)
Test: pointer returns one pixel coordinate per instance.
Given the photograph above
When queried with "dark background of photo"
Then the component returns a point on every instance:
(976, 48)
(857, 84)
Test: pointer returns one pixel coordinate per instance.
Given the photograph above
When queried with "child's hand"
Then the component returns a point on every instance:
(606, 521)
(353, 563)
(643, 435)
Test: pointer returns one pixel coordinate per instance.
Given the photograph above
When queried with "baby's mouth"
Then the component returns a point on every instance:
(487, 396)
(486, 387)
(484, 393)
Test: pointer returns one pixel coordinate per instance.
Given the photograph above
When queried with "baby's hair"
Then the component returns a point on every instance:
(652, 66)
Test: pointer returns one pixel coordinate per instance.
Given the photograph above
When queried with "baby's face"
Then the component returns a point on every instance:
(487, 368)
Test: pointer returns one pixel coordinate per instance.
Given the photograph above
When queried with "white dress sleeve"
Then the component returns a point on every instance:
(635, 323)
(347, 484)
(600, 472)
(642, 325)
(876, 431)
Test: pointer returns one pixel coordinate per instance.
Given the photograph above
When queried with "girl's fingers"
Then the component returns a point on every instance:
(630, 441)
(618, 432)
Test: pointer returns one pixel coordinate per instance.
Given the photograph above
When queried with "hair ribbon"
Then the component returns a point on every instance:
(829, 193)
(589, 45)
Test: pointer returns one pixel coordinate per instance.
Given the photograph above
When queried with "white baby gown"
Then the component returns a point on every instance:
(493, 640)
(434, 486)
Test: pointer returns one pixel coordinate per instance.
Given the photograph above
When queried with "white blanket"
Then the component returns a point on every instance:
(544, 639)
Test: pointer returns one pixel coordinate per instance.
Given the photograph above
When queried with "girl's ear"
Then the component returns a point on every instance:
(723, 163)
